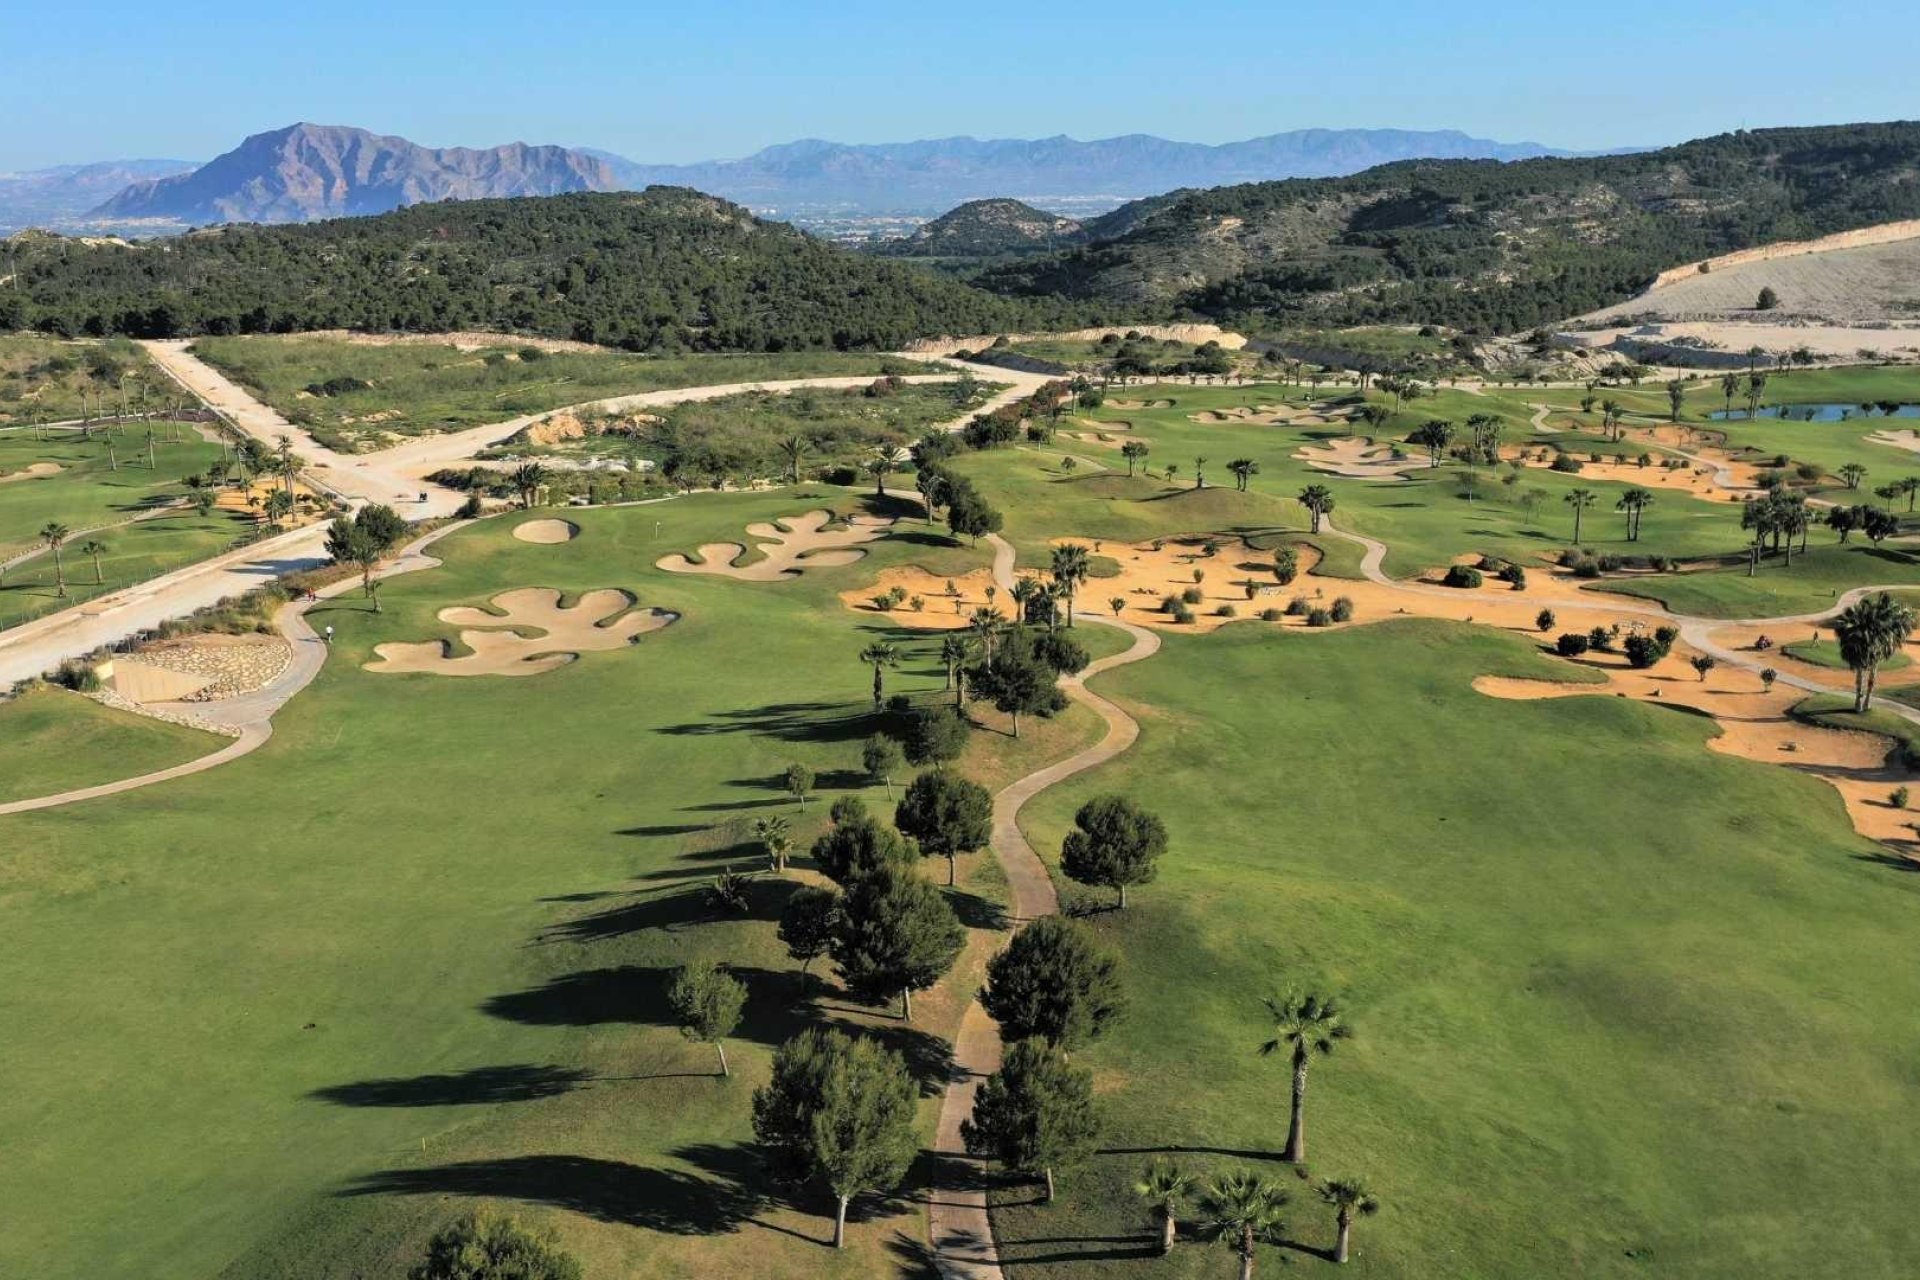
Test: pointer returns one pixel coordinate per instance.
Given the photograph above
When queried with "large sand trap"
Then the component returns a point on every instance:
(789, 545)
(1905, 438)
(602, 619)
(1269, 415)
(942, 611)
(1755, 725)
(1360, 459)
(1141, 404)
(33, 471)
(546, 531)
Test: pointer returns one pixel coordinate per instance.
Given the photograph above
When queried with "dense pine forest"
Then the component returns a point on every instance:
(1481, 245)
(665, 269)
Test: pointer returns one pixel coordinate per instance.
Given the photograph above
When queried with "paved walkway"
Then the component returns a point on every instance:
(250, 715)
(958, 1224)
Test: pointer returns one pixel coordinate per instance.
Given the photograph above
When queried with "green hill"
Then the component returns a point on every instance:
(1478, 244)
(663, 269)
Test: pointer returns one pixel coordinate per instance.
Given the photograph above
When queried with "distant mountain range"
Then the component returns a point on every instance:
(1060, 174)
(308, 171)
(61, 195)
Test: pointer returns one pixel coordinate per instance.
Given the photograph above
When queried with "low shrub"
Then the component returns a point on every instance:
(1571, 644)
(1319, 618)
(1226, 611)
(1271, 615)
(1342, 610)
(1600, 640)
(1460, 575)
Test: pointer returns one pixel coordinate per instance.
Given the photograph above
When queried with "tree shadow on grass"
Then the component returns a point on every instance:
(524, 1082)
(1893, 861)
(664, 1200)
(974, 911)
(673, 910)
(1276, 1156)
(787, 721)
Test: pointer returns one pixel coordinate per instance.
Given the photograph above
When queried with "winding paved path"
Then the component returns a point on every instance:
(957, 1218)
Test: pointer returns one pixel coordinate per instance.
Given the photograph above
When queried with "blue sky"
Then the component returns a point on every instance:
(699, 79)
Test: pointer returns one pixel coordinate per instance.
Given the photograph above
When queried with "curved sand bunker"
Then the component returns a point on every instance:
(33, 471)
(1141, 404)
(546, 532)
(788, 546)
(1270, 415)
(1359, 459)
(602, 619)
(947, 603)
(1754, 725)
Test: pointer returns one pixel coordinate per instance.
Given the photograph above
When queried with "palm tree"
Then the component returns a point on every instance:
(1303, 1025)
(877, 466)
(1200, 473)
(1579, 500)
(794, 449)
(1870, 632)
(527, 479)
(1318, 500)
(1243, 469)
(1853, 473)
(94, 548)
(1610, 418)
(1756, 383)
(53, 534)
(285, 465)
(1729, 387)
(1676, 398)
(1134, 451)
(881, 654)
(1633, 503)
(775, 835)
(1165, 1187)
(1070, 566)
(953, 652)
(1026, 588)
(1244, 1208)
(1350, 1199)
(985, 623)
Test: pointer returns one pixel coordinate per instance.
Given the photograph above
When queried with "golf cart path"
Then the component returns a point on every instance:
(250, 716)
(958, 1224)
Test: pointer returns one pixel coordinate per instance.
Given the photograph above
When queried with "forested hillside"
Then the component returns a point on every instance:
(663, 269)
(1479, 244)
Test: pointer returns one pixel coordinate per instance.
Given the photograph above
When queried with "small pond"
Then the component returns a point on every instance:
(1821, 412)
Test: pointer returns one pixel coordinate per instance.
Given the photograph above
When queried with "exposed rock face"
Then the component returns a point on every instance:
(309, 171)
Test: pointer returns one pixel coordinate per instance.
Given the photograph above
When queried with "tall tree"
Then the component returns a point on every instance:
(857, 844)
(1034, 1114)
(1071, 565)
(94, 549)
(775, 834)
(947, 814)
(707, 1001)
(897, 935)
(1433, 435)
(1303, 1025)
(807, 924)
(1114, 843)
(1676, 398)
(1053, 982)
(1318, 500)
(1134, 451)
(55, 534)
(839, 1110)
(1870, 632)
(881, 758)
(1579, 499)
(880, 655)
(527, 480)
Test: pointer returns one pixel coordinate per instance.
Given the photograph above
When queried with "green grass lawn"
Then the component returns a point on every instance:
(90, 489)
(1813, 583)
(135, 553)
(408, 388)
(1826, 653)
(1425, 521)
(52, 740)
(1581, 1047)
(411, 953)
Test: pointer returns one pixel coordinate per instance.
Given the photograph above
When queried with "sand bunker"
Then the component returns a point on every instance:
(1905, 438)
(33, 471)
(1360, 459)
(546, 531)
(1755, 725)
(1269, 415)
(947, 604)
(1141, 404)
(789, 545)
(602, 619)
